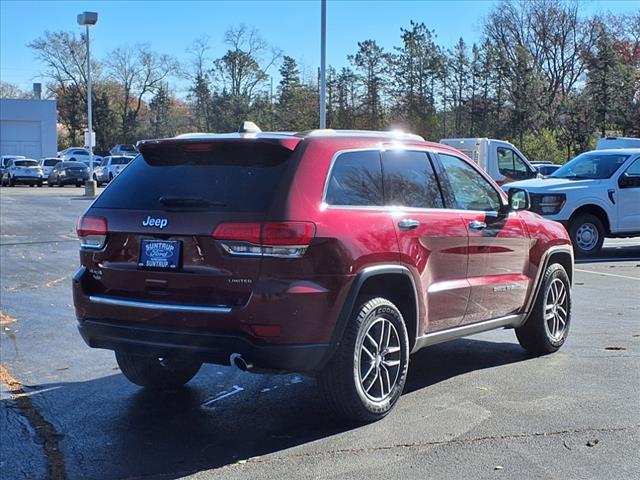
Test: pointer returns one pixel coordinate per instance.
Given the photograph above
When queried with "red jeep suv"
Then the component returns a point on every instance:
(332, 253)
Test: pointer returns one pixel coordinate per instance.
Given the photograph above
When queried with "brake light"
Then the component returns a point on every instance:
(92, 232)
(274, 239)
(244, 232)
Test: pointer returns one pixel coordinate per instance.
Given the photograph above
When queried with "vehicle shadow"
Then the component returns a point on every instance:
(612, 252)
(112, 429)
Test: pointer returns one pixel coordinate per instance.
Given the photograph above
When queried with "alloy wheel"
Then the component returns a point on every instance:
(378, 360)
(556, 310)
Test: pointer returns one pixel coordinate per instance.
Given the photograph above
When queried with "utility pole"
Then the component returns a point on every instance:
(323, 63)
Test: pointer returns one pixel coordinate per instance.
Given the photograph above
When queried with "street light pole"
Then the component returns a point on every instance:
(87, 19)
(323, 63)
(89, 110)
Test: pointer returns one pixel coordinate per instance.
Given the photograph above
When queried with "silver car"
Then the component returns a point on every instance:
(111, 166)
(47, 164)
(23, 170)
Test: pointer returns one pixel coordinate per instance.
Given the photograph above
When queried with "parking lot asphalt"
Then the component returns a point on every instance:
(473, 408)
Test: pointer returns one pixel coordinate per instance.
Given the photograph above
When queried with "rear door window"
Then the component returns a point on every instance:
(238, 176)
(409, 180)
(356, 180)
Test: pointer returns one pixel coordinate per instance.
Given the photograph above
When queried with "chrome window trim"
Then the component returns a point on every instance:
(380, 151)
(166, 307)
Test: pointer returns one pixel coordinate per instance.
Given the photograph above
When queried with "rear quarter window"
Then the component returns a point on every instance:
(356, 180)
(235, 176)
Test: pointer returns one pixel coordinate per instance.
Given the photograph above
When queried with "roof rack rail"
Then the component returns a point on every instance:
(392, 134)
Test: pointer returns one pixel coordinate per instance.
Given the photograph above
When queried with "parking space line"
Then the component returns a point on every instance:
(607, 274)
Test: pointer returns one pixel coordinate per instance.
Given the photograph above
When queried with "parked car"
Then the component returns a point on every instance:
(596, 195)
(65, 173)
(326, 253)
(24, 171)
(545, 168)
(73, 154)
(47, 164)
(323, 253)
(124, 150)
(606, 143)
(111, 166)
(500, 159)
(4, 160)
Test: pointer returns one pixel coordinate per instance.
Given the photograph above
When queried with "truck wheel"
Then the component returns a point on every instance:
(547, 327)
(587, 234)
(366, 376)
(12, 182)
(154, 372)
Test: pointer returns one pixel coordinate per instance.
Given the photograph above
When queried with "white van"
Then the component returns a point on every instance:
(500, 159)
(617, 142)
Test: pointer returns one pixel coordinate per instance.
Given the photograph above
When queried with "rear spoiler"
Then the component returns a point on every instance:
(287, 141)
(218, 149)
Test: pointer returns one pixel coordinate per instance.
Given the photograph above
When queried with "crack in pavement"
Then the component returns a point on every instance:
(435, 443)
(49, 284)
(43, 428)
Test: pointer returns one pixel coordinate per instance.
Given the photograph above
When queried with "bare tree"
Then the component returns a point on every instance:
(243, 69)
(552, 33)
(11, 90)
(139, 72)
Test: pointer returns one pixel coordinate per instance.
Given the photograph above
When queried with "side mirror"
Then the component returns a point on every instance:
(519, 199)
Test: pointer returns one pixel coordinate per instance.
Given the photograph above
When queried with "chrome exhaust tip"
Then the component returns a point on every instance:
(239, 362)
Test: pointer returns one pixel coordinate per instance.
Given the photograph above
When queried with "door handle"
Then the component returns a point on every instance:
(408, 224)
(477, 225)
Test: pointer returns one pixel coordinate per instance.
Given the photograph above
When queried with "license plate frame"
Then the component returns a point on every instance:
(158, 254)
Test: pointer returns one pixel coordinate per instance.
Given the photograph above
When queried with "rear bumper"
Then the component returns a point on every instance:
(205, 346)
(74, 178)
(27, 179)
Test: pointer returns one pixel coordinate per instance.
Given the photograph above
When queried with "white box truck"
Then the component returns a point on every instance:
(500, 159)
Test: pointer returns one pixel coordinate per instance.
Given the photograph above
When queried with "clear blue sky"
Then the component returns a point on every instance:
(294, 26)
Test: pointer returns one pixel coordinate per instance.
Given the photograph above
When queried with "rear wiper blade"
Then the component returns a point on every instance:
(190, 202)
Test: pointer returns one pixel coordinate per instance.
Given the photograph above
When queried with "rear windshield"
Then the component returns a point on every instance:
(234, 176)
(120, 160)
(51, 162)
(73, 165)
(25, 163)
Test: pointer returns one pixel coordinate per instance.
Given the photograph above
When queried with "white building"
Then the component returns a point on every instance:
(28, 127)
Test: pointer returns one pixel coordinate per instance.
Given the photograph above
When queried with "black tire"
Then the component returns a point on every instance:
(535, 335)
(156, 373)
(40, 184)
(110, 177)
(340, 380)
(31, 185)
(59, 182)
(12, 182)
(50, 183)
(78, 185)
(586, 223)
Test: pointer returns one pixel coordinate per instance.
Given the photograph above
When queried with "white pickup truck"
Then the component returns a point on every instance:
(595, 195)
(500, 159)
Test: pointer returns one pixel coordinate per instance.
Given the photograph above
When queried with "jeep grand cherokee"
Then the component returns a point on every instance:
(332, 253)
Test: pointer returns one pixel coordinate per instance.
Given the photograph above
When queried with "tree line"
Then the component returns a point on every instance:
(541, 75)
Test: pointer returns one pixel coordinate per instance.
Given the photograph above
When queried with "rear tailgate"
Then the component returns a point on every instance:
(179, 192)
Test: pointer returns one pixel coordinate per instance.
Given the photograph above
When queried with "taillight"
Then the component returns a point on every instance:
(273, 239)
(92, 232)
